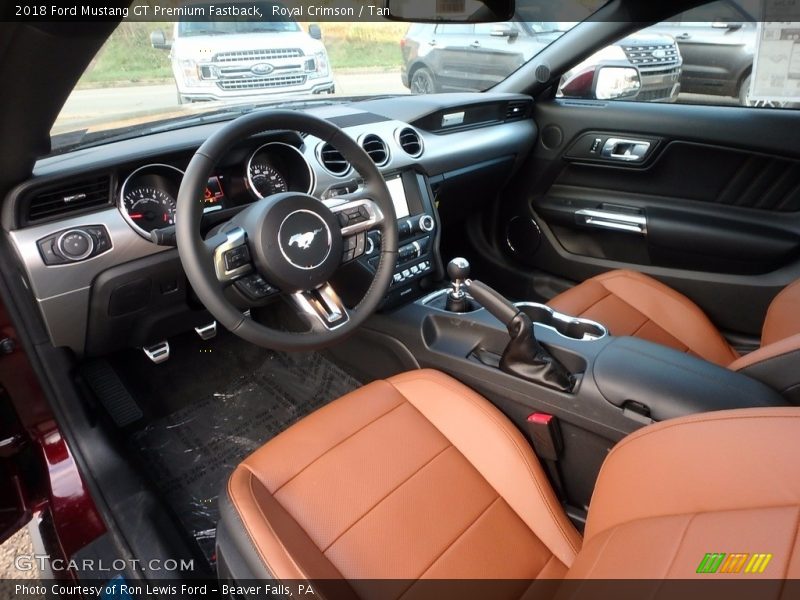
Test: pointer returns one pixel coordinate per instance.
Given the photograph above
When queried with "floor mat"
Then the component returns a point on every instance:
(190, 452)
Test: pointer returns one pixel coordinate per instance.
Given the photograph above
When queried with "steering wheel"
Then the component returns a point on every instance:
(293, 241)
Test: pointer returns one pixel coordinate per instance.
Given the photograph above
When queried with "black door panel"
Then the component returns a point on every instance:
(712, 209)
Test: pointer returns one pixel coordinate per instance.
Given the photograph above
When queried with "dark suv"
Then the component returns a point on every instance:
(475, 57)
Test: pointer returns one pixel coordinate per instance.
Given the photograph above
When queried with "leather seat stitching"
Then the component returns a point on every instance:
(276, 537)
(599, 555)
(637, 435)
(450, 545)
(516, 446)
(339, 443)
(713, 511)
(688, 306)
(595, 303)
(678, 546)
(389, 493)
(247, 529)
(791, 552)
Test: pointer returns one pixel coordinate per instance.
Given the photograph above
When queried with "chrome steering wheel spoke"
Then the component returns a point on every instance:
(322, 308)
(231, 254)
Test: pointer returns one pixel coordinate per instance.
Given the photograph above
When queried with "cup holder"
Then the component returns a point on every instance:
(569, 327)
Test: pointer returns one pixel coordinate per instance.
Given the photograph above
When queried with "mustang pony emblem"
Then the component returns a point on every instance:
(304, 240)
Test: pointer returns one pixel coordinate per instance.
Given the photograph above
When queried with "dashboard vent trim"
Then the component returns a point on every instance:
(376, 148)
(411, 142)
(333, 161)
(67, 198)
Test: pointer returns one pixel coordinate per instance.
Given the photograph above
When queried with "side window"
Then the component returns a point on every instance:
(703, 56)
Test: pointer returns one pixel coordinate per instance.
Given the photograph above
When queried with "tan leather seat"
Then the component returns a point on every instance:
(632, 304)
(419, 477)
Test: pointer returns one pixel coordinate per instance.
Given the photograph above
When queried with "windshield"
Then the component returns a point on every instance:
(157, 74)
(244, 24)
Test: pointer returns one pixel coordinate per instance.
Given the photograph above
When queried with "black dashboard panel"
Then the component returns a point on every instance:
(69, 293)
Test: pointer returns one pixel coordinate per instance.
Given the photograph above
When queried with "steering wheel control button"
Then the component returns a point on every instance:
(237, 258)
(255, 287)
(305, 239)
(232, 257)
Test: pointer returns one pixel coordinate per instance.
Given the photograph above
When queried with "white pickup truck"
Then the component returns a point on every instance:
(245, 59)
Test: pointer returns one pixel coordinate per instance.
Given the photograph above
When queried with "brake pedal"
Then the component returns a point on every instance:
(207, 332)
(158, 353)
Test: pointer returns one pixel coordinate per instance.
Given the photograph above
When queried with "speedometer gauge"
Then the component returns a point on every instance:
(147, 198)
(265, 179)
(149, 208)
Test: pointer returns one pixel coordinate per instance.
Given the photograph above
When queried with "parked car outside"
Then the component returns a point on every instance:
(231, 60)
(474, 57)
(717, 42)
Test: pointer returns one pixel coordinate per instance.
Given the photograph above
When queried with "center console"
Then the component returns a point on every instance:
(417, 222)
(533, 362)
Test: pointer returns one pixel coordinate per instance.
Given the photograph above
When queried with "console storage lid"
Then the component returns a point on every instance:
(633, 372)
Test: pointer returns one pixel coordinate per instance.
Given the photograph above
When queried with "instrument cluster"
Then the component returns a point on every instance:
(148, 196)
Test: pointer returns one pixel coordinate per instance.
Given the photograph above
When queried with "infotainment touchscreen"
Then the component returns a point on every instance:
(398, 193)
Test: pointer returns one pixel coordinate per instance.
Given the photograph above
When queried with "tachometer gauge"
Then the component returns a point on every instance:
(149, 208)
(265, 179)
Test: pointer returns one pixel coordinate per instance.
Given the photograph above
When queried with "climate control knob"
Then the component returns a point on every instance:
(426, 223)
(75, 245)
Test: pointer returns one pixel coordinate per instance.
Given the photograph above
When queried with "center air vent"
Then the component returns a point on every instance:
(66, 199)
(376, 148)
(410, 141)
(332, 160)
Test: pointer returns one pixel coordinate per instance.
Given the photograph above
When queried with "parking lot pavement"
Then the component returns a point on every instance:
(86, 105)
(19, 543)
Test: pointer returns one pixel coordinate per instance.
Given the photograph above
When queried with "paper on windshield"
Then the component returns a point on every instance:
(776, 67)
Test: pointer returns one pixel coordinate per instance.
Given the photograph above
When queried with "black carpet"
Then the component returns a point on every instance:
(224, 409)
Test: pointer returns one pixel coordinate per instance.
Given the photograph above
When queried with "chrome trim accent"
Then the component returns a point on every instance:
(641, 146)
(83, 256)
(328, 309)
(235, 237)
(606, 219)
(312, 178)
(374, 211)
(431, 223)
(324, 224)
(434, 295)
(399, 131)
(565, 319)
(207, 332)
(121, 199)
(158, 353)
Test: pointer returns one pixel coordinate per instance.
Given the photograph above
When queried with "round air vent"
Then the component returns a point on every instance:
(376, 148)
(330, 158)
(410, 141)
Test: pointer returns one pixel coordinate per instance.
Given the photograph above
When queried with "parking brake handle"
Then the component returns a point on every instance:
(524, 356)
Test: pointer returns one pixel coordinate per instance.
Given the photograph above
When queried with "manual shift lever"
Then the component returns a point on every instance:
(524, 356)
(458, 272)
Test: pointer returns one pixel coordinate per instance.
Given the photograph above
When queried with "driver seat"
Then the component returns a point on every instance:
(419, 477)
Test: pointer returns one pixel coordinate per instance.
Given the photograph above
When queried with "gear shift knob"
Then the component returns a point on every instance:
(458, 269)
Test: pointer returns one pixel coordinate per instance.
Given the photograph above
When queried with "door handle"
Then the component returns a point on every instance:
(475, 44)
(683, 36)
(606, 219)
(625, 150)
(432, 43)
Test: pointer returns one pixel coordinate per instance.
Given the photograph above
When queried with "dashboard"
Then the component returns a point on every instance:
(89, 227)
